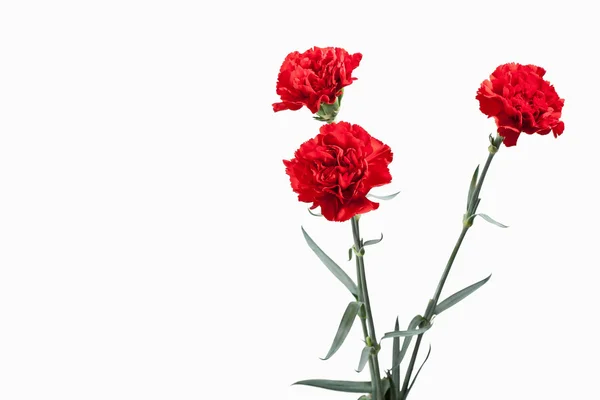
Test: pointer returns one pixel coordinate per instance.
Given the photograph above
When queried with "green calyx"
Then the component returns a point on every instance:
(495, 143)
(328, 112)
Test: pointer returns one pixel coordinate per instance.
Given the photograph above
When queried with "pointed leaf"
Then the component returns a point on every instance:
(387, 197)
(331, 265)
(491, 220)
(472, 187)
(338, 386)
(364, 357)
(394, 393)
(420, 368)
(373, 241)
(396, 362)
(350, 253)
(460, 295)
(411, 332)
(430, 307)
(386, 385)
(413, 325)
(345, 325)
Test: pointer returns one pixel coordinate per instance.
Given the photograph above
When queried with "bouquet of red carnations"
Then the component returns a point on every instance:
(337, 169)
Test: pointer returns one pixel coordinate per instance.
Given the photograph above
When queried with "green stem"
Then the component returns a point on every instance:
(363, 322)
(363, 296)
(473, 203)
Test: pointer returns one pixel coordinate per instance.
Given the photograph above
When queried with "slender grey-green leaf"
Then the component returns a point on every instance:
(411, 332)
(430, 307)
(385, 386)
(458, 296)
(338, 386)
(345, 325)
(314, 214)
(387, 197)
(364, 357)
(373, 241)
(413, 325)
(420, 368)
(331, 265)
(396, 362)
(350, 251)
(472, 187)
(491, 220)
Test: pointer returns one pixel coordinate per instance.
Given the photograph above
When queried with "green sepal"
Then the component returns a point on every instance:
(338, 386)
(344, 328)
(331, 265)
(387, 197)
(460, 295)
(328, 112)
(364, 357)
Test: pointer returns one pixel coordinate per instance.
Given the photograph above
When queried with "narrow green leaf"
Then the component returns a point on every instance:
(472, 187)
(393, 395)
(314, 214)
(430, 307)
(338, 386)
(373, 241)
(491, 220)
(460, 295)
(364, 357)
(420, 368)
(345, 325)
(413, 325)
(350, 253)
(396, 362)
(387, 197)
(386, 385)
(411, 332)
(331, 265)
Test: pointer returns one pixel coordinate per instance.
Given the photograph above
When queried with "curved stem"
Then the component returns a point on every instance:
(363, 296)
(472, 208)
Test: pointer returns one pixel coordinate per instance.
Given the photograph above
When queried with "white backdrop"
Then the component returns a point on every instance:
(150, 243)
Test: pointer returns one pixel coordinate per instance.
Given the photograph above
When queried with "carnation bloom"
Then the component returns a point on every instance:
(337, 169)
(520, 100)
(318, 75)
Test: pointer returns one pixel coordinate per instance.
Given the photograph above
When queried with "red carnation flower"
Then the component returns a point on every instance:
(316, 76)
(337, 169)
(520, 100)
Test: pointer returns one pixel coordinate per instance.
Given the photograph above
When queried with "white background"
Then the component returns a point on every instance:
(150, 244)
